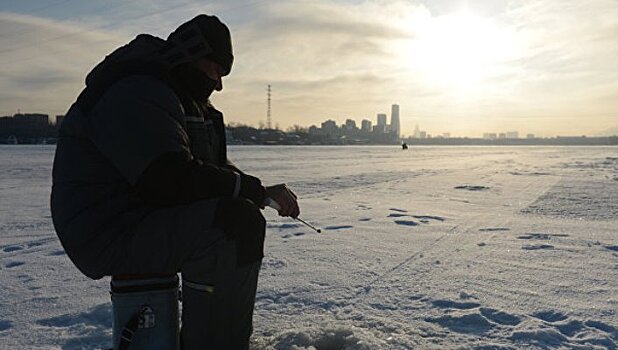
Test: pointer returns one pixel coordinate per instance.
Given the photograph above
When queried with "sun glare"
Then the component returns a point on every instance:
(459, 50)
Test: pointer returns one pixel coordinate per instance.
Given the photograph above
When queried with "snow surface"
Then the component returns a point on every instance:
(429, 248)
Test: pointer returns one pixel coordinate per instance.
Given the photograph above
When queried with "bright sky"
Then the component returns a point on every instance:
(548, 67)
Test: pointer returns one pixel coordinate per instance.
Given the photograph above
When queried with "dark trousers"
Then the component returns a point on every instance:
(218, 293)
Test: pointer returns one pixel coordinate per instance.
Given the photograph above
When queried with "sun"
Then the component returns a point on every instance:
(459, 50)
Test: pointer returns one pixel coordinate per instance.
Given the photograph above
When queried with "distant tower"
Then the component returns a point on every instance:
(417, 132)
(366, 125)
(395, 125)
(381, 127)
(268, 119)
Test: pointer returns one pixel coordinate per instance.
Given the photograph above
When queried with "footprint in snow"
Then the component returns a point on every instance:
(282, 227)
(400, 213)
(337, 227)
(538, 247)
(564, 328)
(571, 328)
(472, 188)
(541, 236)
(406, 222)
(451, 304)
(14, 264)
(12, 248)
(425, 219)
(550, 316)
(5, 324)
(603, 327)
(546, 336)
(25, 278)
(494, 229)
(500, 317)
(469, 323)
(291, 235)
(25, 245)
(288, 226)
(574, 327)
(57, 253)
(428, 217)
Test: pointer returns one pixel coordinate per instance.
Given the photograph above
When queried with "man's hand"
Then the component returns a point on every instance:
(285, 198)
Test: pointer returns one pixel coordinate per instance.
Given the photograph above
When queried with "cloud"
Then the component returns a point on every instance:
(323, 37)
(569, 50)
(291, 44)
(328, 59)
(562, 79)
(44, 62)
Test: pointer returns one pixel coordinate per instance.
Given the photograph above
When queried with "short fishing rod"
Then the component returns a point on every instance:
(273, 204)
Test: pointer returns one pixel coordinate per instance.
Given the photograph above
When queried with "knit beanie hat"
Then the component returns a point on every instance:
(202, 37)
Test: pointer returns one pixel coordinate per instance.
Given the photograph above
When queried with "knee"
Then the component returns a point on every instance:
(234, 214)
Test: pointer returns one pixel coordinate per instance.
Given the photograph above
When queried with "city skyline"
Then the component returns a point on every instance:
(36, 128)
(36, 120)
(459, 67)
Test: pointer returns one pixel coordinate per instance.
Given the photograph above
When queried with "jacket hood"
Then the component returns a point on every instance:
(143, 50)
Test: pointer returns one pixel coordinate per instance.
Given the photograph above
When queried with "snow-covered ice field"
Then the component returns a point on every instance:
(430, 248)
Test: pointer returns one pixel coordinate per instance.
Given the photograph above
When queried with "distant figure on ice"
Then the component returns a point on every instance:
(142, 185)
(404, 146)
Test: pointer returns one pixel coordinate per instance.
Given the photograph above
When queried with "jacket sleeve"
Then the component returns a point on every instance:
(174, 178)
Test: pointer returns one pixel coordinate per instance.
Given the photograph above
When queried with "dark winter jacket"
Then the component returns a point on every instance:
(136, 139)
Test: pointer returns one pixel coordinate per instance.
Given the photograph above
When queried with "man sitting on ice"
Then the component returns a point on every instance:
(142, 184)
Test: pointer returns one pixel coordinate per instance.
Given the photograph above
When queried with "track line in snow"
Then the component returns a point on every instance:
(368, 287)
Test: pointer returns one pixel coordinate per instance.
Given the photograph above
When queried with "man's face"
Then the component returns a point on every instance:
(213, 70)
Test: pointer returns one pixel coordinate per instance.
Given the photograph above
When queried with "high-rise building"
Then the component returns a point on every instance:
(379, 129)
(366, 125)
(417, 132)
(31, 120)
(350, 124)
(6, 122)
(395, 124)
(512, 135)
(381, 119)
(329, 125)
